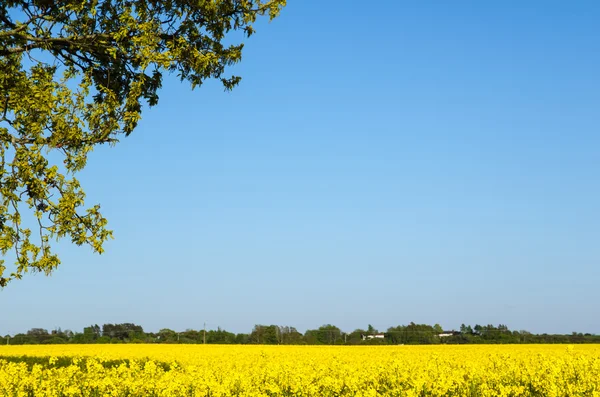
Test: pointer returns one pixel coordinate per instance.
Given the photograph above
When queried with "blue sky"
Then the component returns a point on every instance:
(379, 164)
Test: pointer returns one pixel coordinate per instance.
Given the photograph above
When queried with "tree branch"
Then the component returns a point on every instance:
(60, 42)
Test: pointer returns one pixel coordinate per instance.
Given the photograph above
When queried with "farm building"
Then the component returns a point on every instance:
(448, 333)
(373, 336)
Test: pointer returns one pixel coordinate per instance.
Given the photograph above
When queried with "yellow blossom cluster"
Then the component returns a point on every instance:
(209, 370)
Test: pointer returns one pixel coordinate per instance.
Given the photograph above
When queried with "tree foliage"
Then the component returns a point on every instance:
(413, 334)
(74, 74)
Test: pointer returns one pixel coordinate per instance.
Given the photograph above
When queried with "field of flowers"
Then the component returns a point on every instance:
(196, 370)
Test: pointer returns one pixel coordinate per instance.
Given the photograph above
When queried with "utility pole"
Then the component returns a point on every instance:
(204, 336)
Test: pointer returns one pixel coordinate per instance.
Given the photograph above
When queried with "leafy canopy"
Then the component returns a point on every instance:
(74, 74)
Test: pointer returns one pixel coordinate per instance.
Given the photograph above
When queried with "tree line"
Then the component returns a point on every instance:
(411, 334)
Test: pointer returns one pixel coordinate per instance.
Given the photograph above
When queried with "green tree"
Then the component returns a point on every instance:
(125, 332)
(265, 334)
(167, 335)
(90, 334)
(190, 336)
(325, 335)
(74, 74)
(413, 334)
(355, 337)
(219, 336)
(242, 339)
(289, 336)
(38, 335)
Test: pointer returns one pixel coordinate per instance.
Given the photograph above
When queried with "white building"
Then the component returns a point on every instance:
(448, 333)
(374, 336)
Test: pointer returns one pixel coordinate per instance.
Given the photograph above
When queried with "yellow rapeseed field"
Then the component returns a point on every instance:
(196, 370)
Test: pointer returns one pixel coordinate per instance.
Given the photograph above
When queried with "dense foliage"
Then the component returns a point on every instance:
(172, 371)
(411, 334)
(75, 74)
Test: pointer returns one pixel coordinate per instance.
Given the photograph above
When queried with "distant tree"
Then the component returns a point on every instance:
(37, 332)
(311, 337)
(325, 335)
(55, 340)
(355, 337)
(167, 335)
(220, 336)
(190, 336)
(289, 336)
(242, 339)
(413, 334)
(272, 334)
(123, 332)
(91, 334)
(21, 339)
(577, 337)
(264, 335)
(38, 335)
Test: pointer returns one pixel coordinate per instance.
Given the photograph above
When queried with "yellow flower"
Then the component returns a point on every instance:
(196, 370)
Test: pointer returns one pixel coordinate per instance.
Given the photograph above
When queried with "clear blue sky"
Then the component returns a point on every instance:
(432, 162)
